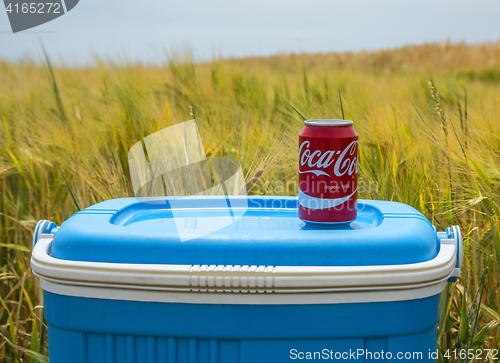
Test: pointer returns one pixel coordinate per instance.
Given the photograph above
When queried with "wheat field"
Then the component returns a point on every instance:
(428, 119)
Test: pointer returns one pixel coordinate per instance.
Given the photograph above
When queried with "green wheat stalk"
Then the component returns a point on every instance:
(444, 125)
(341, 106)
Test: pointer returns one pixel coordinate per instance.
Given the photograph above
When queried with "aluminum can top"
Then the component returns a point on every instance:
(328, 122)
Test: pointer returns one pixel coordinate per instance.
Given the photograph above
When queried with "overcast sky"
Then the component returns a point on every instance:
(141, 30)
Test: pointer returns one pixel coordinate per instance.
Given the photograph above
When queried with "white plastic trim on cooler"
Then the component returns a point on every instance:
(243, 284)
(337, 297)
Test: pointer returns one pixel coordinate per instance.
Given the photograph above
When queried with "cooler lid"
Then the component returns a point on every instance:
(263, 231)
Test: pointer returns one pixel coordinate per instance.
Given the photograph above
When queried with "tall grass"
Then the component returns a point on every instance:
(65, 134)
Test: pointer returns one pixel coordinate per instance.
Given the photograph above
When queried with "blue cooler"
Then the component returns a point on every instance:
(121, 286)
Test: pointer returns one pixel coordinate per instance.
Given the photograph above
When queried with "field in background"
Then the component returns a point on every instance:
(435, 148)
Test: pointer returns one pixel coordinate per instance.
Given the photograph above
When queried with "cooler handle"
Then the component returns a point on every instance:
(453, 236)
(44, 229)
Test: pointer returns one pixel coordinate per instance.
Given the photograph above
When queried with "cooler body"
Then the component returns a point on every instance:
(126, 281)
(108, 331)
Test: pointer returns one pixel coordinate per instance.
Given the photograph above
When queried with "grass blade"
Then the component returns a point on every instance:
(299, 113)
(465, 120)
(483, 279)
(55, 88)
(35, 342)
(480, 338)
(341, 106)
(70, 191)
(464, 321)
(14, 246)
(14, 348)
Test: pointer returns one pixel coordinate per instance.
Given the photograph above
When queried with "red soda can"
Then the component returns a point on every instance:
(328, 173)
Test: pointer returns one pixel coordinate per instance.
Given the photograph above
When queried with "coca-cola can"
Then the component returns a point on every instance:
(328, 173)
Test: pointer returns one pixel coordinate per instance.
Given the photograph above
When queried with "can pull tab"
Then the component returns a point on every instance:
(44, 229)
(453, 236)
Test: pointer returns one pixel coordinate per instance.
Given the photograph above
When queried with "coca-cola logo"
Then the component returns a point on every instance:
(346, 161)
